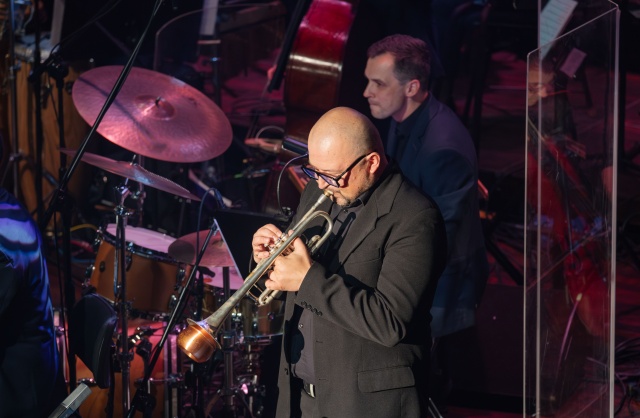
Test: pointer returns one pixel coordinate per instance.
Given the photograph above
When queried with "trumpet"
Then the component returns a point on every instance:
(198, 340)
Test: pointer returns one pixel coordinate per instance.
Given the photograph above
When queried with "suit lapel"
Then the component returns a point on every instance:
(379, 205)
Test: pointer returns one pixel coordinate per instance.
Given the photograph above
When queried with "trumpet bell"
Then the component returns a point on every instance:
(196, 342)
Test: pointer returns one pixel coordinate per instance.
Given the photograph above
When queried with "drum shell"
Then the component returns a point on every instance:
(262, 321)
(152, 276)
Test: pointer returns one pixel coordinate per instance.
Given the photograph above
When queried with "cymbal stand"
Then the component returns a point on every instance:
(120, 292)
(140, 195)
(195, 377)
(142, 399)
(228, 342)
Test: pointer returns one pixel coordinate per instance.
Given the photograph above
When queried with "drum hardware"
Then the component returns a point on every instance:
(123, 355)
(142, 399)
(155, 277)
(238, 378)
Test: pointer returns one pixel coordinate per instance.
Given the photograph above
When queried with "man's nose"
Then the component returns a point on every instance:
(367, 92)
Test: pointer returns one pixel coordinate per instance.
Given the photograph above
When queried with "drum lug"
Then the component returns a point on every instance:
(173, 300)
(89, 272)
(180, 276)
(88, 381)
(97, 242)
(127, 260)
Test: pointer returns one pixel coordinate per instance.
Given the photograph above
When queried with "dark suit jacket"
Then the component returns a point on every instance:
(440, 159)
(370, 307)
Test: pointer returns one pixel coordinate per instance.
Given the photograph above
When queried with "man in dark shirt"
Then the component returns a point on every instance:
(31, 383)
(436, 152)
(356, 337)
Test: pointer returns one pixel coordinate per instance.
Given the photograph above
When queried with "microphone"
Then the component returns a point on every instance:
(294, 145)
(72, 402)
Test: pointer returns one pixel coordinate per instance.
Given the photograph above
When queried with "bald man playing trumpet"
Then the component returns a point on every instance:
(357, 337)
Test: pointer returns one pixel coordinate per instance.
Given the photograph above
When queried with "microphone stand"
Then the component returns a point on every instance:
(58, 200)
(142, 400)
(15, 156)
(37, 91)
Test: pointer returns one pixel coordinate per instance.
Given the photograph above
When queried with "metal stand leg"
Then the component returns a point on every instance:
(119, 289)
(433, 410)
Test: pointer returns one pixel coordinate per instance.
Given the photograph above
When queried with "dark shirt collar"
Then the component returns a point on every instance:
(405, 127)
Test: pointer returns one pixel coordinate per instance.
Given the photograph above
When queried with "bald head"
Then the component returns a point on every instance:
(344, 145)
(344, 132)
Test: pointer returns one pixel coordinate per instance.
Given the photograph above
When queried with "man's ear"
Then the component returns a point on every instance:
(373, 162)
(412, 88)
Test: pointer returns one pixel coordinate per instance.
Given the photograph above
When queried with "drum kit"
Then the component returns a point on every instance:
(147, 274)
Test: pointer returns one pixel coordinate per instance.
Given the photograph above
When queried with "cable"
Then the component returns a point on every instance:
(286, 211)
(200, 209)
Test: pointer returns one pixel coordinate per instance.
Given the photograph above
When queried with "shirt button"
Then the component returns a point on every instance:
(300, 326)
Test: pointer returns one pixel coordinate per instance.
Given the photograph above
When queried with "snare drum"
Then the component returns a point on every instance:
(262, 321)
(152, 276)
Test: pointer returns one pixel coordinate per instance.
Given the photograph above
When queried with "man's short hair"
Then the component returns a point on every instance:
(411, 56)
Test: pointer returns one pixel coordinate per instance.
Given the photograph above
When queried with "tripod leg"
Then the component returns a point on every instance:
(433, 410)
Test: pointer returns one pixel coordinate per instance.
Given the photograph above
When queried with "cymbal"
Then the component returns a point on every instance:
(216, 255)
(133, 172)
(154, 115)
(214, 278)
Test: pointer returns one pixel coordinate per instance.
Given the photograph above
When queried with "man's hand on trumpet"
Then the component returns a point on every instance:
(290, 268)
(263, 240)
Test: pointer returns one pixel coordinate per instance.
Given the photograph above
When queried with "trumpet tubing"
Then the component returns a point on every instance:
(198, 340)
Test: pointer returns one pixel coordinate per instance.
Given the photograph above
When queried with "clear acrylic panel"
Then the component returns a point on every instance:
(570, 234)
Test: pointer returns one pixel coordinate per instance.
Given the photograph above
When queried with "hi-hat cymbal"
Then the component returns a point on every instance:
(133, 172)
(216, 255)
(154, 115)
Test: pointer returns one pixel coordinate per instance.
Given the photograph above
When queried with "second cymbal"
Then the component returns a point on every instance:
(133, 172)
(216, 255)
(154, 115)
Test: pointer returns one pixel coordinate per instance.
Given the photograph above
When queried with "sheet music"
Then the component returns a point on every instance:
(573, 61)
(553, 19)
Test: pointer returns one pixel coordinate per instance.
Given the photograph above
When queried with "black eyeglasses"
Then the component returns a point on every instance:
(330, 180)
